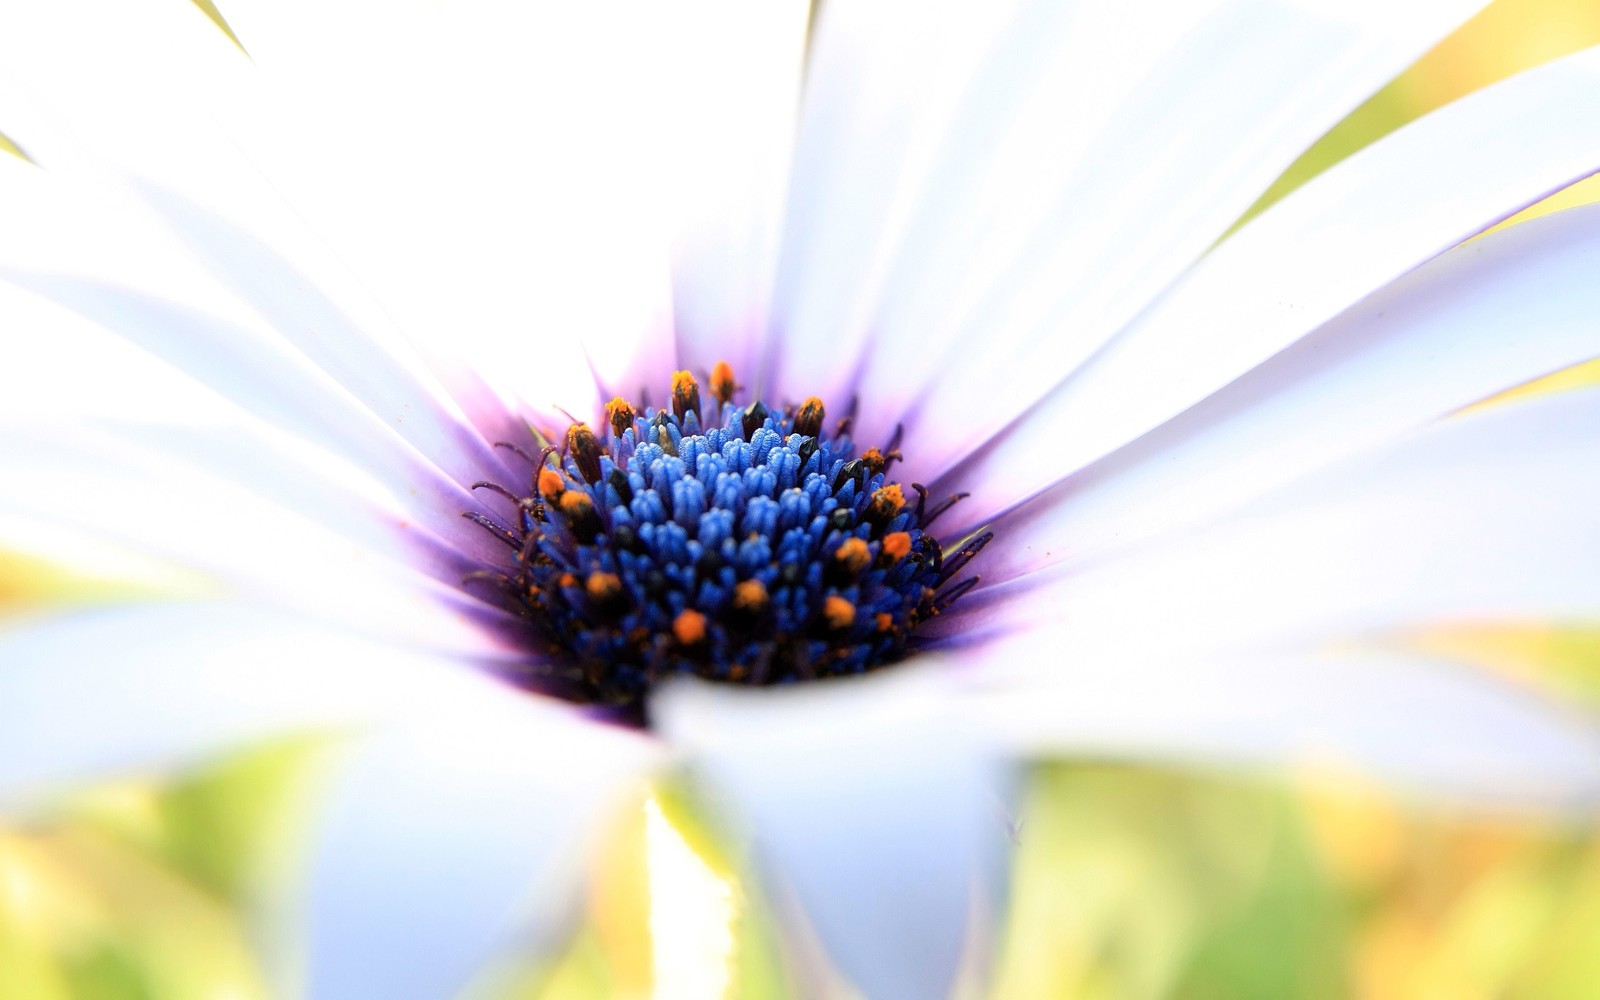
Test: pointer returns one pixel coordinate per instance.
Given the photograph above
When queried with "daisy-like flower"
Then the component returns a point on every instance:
(751, 293)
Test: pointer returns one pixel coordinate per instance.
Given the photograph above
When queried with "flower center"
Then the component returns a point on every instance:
(734, 543)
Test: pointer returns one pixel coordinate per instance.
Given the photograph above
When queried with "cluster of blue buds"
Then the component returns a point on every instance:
(733, 543)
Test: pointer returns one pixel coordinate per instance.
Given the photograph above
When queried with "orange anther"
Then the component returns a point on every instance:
(750, 595)
(838, 613)
(689, 627)
(853, 555)
(886, 502)
(808, 419)
(685, 395)
(551, 484)
(603, 587)
(619, 413)
(896, 545)
(585, 450)
(722, 385)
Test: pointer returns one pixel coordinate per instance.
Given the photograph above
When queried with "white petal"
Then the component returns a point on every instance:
(62, 367)
(1490, 515)
(258, 376)
(1440, 730)
(728, 104)
(1052, 189)
(872, 802)
(166, 507)
(372, 369)
(1359, 225)
(1480, 319)
(124, 690)
(443, 843)
(502, 194)
(388, 230)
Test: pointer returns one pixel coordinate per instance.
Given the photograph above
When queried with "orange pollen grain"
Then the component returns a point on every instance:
(685, 394)
(750, 595)
(602, 586)
(722, 385)
(853, 555)
(885, 621)
(551, 484)
(838, 612)
(619, 413)
(886, 502)
(585, 450)
(689, 627)
(572, 502)
(897, 545)
(808, 420)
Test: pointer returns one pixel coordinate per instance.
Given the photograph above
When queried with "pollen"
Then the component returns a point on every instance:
(603, 588)
(619, 414)
(585, 450)
(685, 396)
(886, 504)
(838, 613)
(731, 540)
(808, 420)
(750, 595)
(550, 484)
(722, 385)
(689, 627)
(853, 555)
(896, 546)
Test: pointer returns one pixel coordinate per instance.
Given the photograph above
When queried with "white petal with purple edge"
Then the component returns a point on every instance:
(1346, 233)
(872, 801)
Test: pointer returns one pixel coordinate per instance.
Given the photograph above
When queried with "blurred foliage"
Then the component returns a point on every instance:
(150, 888)
(1144, 883)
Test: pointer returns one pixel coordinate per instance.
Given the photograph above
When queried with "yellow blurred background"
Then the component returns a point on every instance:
(1130, 881)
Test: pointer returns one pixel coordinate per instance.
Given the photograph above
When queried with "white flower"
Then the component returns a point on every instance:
(264, 318)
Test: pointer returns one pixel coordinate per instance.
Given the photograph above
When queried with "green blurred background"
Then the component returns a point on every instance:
(1130, 881)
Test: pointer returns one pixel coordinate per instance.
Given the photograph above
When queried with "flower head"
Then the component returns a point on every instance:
(281, 312)
(731, 543)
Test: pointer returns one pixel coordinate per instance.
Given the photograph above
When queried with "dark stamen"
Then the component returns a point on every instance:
(495, 528)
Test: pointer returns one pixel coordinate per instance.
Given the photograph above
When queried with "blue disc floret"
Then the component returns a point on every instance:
(734, 543)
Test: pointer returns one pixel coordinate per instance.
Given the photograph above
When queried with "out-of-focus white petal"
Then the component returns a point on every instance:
(1483, 317)
(62, 367)
(445, 842)
(1343, 235)
(369, 369)
(297, 553)
(1490, 515)
(257, 376)
(1038, 177)
(550, 257)
(123, 690)
(1441, 730)
(728, 111)
(873, 801)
